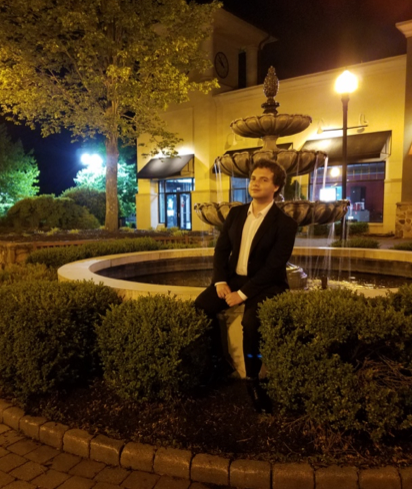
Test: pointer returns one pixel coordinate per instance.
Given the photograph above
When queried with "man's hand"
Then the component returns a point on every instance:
(233, 299)
(222, 290)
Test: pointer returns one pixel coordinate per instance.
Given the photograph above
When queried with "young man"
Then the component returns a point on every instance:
(249, 266)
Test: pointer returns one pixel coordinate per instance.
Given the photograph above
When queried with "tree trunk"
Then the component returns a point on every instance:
(112, 206)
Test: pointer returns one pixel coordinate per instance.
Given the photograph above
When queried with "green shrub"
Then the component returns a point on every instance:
(340, 359)
(94, 200)
(57, 257)
(357, 243)
(402, 299)
(19, 273)
(154, 347)
(47, 334)
(403, 246)
(355, 228)
(46, 212)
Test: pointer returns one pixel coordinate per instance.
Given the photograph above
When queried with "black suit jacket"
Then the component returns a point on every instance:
(270, 250)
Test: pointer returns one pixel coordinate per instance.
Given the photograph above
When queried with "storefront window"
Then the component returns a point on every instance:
(239, 190)
(364, 189)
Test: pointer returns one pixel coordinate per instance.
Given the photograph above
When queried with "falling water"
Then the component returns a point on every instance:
(219, 187)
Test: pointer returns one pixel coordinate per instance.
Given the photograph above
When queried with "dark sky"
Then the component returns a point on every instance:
(313, 35)
(318, 35)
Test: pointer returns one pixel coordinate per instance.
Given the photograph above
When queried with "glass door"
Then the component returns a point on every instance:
(178, 210)
(171, 211)
(185, 207)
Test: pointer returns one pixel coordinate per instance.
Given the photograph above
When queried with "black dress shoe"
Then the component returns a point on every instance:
(261, 400)
(219, 369)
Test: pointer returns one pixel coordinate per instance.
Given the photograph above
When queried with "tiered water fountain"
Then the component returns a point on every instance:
(113, 270)
(269, 127)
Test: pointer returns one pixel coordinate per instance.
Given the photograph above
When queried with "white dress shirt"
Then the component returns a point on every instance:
(250, 228)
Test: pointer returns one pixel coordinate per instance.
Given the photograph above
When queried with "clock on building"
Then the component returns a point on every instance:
(221, 65)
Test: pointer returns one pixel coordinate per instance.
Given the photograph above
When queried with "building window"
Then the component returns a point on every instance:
(364, 189)
(239, 190)
(175, 203)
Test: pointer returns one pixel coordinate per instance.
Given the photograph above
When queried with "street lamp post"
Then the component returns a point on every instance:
(346, 83)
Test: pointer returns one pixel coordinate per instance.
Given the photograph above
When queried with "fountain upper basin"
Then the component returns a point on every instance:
(270, 124)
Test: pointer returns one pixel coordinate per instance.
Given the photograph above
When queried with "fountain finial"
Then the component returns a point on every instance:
(270, 89)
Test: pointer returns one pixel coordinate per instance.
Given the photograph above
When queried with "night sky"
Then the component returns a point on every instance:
(313, 36)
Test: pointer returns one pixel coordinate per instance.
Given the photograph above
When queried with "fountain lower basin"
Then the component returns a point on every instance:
(386, 262)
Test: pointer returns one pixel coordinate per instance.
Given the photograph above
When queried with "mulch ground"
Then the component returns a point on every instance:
(219, 421)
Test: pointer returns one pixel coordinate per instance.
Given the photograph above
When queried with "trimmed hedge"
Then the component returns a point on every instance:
(341, 360)
(47, 212)
(357, 243)
(57, 257)
(18, 273)
(47, 334)
(354, 228)
(155, 347)
(403, 246)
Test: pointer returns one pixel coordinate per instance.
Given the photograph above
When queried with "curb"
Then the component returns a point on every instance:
(209, 469)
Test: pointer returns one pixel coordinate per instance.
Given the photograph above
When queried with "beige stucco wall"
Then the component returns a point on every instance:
(204, 124)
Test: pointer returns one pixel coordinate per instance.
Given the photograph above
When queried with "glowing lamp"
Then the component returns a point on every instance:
(347, 82)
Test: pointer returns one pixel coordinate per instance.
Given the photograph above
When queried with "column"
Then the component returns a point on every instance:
(404, 208)
(251, 65)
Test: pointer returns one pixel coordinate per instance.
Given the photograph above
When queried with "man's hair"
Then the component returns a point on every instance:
(279, 174)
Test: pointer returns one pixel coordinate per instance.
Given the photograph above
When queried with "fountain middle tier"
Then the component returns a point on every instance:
(304, 212)
(294, 162)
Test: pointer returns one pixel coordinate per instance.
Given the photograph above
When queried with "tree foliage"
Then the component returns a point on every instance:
(94, 177)
(104, 68)
(18, 172)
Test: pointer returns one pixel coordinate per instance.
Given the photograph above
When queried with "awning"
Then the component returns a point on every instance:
(370, 146)
(168, 167)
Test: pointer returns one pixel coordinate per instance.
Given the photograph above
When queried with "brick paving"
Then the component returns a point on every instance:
(27, 464)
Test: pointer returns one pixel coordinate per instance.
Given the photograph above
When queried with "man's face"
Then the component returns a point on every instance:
(261, 186)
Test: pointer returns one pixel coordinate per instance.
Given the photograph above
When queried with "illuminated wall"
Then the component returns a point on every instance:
(204, 124)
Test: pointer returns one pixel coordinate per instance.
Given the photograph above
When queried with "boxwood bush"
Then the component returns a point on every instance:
(155, 347)
(341, 360)
(46, 212)
(94, 200)
(47, 334)
(57, 257)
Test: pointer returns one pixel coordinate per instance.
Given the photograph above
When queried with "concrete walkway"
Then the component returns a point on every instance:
(28, 464)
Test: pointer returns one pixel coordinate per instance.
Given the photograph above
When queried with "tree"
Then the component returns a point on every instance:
(94, 177)
(18, 172)
(102, 67)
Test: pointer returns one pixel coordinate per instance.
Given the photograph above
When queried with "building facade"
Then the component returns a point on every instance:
(379, 137)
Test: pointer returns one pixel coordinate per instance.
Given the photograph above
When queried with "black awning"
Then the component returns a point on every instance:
(370, 146)
(167, 167)
(252, 150)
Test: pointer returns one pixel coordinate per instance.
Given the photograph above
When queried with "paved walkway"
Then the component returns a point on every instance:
(28, 464)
